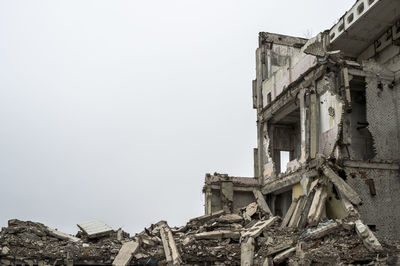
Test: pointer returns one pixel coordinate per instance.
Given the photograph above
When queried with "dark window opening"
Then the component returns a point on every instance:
(269, 98)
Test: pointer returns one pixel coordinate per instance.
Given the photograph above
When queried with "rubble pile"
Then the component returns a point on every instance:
(249, 237)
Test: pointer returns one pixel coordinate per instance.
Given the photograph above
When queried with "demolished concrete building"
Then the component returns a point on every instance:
(328, 108)
(326, 169)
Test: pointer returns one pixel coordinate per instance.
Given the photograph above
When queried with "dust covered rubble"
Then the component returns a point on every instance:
(248, 237)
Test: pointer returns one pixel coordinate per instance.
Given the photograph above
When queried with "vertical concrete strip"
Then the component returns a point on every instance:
(171, 252)
(262, 204)
(247, 252)
(317, 206)
(341, 185)
(304, 214)
(314, 205)
(303, 133)
(297, 212)
(227, 195)
(126, 253)
(164, 239)
(313, 126)
(346, 81)
(289, 213)
(176, 258)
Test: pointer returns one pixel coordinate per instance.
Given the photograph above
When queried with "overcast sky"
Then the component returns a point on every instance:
(115, 110)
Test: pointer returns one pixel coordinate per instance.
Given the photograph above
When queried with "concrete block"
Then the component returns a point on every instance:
(126, 253)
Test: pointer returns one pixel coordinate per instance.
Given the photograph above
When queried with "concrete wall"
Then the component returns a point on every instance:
(215, 200)
(382, 111)
(242, 199)
(383, 209)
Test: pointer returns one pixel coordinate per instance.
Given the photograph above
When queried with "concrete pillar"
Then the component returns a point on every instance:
(227, 196)
(247, 252)
(313, 125)
(303, 126)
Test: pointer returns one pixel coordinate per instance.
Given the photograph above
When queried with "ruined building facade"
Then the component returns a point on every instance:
(328, 108)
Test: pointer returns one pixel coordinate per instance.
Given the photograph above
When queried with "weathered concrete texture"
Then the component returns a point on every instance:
(383, 209)
(262, 204)
(247, 252)
(369, 239)
(125, 254)
(242, 199)
(221, 234)
(382, 111)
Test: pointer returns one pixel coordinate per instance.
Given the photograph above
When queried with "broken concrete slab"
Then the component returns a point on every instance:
(303, 219)
(258, 227)
(94, 229)
(280, 247)
(218, 234)
(171, 252)
(126, 253)
(230, 218)
(262, 204)
(317, 206)
(61, 235)
(207, 217)
(281, 257)
(251, 209)
(321, 230)
(298, 211)
(289, 213)
(369, 239)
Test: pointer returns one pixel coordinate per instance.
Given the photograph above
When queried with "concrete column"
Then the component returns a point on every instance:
(208, 197)
(313, 125)
(227, 196)
(247, 252)
(303, 126)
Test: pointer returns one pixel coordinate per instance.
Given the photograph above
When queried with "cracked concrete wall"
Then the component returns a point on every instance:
(383, 209)
(331, 110)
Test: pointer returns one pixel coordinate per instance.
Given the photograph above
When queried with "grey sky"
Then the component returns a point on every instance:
(115, 110)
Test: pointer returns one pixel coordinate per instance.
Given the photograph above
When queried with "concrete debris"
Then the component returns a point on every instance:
(329, 105)
(247, 252)
(369, 239)
(170, 250)
(222, 240)
(94, 229)
(220, 234)
(262, 204)
(258, 227)
(126, 253)
(321, 230)
(61, 235)
(251, 209)
(284, 255)
(341, 185)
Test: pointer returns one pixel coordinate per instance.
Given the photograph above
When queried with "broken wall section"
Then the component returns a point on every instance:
(382, 97)
(223, 192)
(379, 190)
